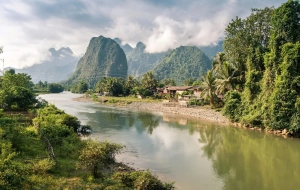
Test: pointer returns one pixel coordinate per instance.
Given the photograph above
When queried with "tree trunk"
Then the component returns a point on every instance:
(95, 171)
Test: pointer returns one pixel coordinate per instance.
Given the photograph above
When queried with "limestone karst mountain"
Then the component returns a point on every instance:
(103, 58)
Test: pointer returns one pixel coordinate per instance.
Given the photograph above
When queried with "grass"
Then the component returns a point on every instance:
(125, 100)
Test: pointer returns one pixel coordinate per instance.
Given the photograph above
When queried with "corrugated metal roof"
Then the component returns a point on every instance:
(179, 87)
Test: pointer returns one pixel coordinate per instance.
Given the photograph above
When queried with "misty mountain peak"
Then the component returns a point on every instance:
(126, 48)
(62, 52)
(140, 45)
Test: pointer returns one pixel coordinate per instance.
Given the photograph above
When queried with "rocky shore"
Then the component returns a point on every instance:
(196, 112)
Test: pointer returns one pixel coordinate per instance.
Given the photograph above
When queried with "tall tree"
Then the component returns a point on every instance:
(285, 29)
(129, 84)
(149, 81)
(17, 91)
(209, 87)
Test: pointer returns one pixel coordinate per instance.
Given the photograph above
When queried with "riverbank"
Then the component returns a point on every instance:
(197, 112)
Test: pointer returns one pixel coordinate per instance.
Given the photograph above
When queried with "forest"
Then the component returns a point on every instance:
(259, 69)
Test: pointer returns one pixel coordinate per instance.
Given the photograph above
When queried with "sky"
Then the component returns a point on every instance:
(30, 27)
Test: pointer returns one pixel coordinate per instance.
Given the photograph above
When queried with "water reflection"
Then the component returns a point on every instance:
(149, 121)
(108, 118)
(251, 160)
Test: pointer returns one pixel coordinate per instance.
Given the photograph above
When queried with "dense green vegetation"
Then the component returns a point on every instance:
(45, 87)
(260, 68)
(182, 63)
(49, 155)
(80, 87)
(130, 86)
(16, 92)
(103, 58)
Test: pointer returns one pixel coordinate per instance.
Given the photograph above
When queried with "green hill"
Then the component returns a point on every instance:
(103, 58)
(182, 63)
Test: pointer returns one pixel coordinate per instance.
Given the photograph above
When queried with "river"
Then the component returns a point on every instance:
(197, 155)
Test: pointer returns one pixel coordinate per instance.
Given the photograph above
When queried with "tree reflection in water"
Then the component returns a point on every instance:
(149, 121)
(251, 160)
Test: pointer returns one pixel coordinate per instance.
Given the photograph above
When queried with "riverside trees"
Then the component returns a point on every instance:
(263, 53)
(130, 86)
(16, 92)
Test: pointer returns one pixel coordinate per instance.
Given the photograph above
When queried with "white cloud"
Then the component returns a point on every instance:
(31, 27)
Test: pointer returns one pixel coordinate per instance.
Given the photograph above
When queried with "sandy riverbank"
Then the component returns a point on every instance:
(196, 112)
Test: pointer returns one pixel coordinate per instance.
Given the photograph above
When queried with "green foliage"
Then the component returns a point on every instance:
(42, 166)
(112, 86)
(112, 101)
(196, 102)
(182, 63)
(261, 60)
(55, 88)
(80, 87)
(96, 156)
(50, 115)
(142, 91)
(149, 81)
(129, 84)
(209, 87)
(285, 92)
(22, 155)
(17, 92)
(232, 107)
(48, 87)
(140, 180)
(12, 175)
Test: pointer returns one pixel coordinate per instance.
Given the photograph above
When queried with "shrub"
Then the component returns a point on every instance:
(42, 166)
(112, 101)
(141, 180)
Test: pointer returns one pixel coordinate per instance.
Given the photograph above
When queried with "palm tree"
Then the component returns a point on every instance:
(218, 60)
(227, 77)
(228, 74)
(129, 84)
(149, 81)
(208, 86)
